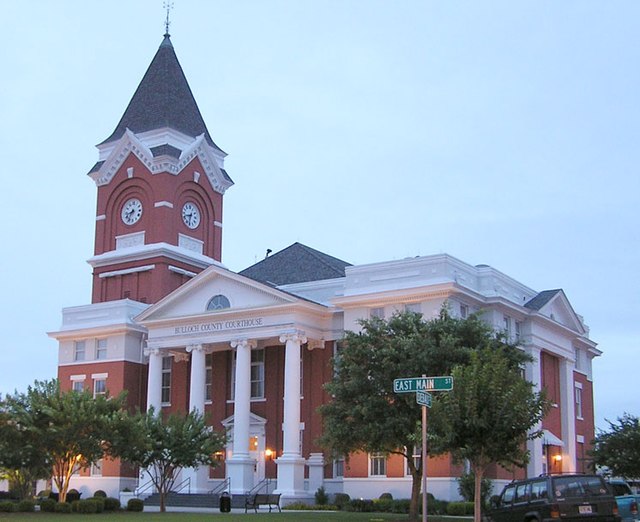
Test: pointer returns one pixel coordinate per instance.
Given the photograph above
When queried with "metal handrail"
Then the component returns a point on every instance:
(220, 487)
(141, 489)
(265, 483)
(186, 483)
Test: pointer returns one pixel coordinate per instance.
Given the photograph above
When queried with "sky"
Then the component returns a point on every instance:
(499, 132)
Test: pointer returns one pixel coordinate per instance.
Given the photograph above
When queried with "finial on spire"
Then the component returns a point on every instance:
(168, 6)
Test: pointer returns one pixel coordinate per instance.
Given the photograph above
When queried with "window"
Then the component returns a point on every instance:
(508, 496)
(218, 302)
(166, 379)
(96, 468)
(378, 465)
(464, 311)
(78, 351)
(417, 458)
(539, 490)
(77, 386)
(507, 325)
(518, 330)
(338, 467)
(377, 312)
(522, 493)
(578, 388)
(208, 379)
(99, 387)
(101, 349)
(257, 375)
(416, 308)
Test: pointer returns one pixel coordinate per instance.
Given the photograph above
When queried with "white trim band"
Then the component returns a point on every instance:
(127, 271)
(163, 204)
(182, 271)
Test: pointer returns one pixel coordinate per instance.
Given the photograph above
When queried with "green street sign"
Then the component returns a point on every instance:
(424, 399)
(423, 384)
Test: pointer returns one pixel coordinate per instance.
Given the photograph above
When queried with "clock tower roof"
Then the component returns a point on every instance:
(163, 99)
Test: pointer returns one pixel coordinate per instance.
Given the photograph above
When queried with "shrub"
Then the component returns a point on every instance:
(386, 496)
(26, 506)
(341, 500)
(100, 494)
(322, 498)
(460, 508)
(301, 506)
(5, 495)
(467, 488)
(48, 505)
(45, 493)
(135, 504)
(111, 504)
(84, 506)
(360, 505)
(62, 507)
(73, 494)
(99, 503)
(6, 506)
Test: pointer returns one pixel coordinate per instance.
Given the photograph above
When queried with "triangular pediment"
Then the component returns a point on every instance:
(192, 298)
(555, 305)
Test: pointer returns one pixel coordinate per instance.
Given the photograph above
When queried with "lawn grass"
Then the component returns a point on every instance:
(303, 516)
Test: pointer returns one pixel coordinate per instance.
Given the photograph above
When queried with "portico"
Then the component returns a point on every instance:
(231, 345)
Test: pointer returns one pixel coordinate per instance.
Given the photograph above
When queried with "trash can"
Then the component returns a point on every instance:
(225, 502)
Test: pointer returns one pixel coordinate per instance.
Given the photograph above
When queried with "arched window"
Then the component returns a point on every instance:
(218, 302)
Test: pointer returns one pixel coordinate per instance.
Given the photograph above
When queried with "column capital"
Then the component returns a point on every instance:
(315, 344)
(195, 348)
(296, 337)
(151, 351)
(244, 343)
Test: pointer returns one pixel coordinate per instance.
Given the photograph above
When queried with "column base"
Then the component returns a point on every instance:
(291, 477)
(240, 470)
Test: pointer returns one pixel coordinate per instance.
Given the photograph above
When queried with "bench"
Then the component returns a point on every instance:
(262, 499)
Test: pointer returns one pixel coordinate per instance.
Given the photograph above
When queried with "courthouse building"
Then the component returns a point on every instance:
(179, 331)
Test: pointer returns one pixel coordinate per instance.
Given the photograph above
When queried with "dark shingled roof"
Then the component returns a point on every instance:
(541, 299)
(96, 167)
(163, 99)
(296, 264)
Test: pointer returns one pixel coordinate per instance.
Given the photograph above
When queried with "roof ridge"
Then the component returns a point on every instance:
(320, 256)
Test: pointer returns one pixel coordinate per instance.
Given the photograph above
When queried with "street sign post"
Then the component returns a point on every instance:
(423, 384)
(424, 399)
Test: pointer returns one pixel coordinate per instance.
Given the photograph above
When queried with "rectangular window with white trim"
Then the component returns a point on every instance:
(79, 351)
(377, 465)
(167, 363)
(99, 387)
(377, 312)
(96, 468)
(579, 412)
(77, 386)
(416, 457)
(101, 349)
(257, 375)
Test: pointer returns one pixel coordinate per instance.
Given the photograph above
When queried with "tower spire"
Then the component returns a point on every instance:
(168, 6)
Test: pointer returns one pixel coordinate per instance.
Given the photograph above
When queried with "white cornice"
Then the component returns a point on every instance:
(142, 252)
(114, 154)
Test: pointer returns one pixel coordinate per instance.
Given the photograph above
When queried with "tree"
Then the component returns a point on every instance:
(164, 447)
(64, 431)
(365, 414)
(619, 448)
(488, 416)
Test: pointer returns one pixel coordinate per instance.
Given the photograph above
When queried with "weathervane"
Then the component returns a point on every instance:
(168, 6)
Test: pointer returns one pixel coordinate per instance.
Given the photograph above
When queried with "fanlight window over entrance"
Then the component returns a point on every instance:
(218, 302)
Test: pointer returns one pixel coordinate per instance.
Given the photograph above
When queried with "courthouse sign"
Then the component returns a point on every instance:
(218, 326)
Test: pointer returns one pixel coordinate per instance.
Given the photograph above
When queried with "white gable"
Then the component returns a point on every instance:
(559, 309)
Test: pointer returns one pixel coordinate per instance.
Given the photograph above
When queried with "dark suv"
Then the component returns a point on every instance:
(570, 498)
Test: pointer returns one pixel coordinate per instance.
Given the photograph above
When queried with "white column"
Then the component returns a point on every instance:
(198, 475)
(154, 379)
(198, 378)
(316, 471)
(568, 412)
(240, 466)
(533, 373)
(291, 464)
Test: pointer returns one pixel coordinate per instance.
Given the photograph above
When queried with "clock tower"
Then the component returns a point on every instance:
(161, 180)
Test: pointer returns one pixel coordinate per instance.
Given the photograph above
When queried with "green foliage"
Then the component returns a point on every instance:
(73, 495)
(386, 496)
(321, 497)
(341, 500)
(100, 493)
(135, 504)
(360, 505)
(488, 416)
(460, 508)
(164, 446)
(62, 507)
(6, 506)
(48, 505)
(111, 504)
(48, 421)
(466, 488)
(87, 506)
(26, 506)
(619, 448)
(301, 506)
(389, 505)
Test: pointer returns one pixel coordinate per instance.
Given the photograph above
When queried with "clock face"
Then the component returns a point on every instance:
(191, 215)
(131, 211)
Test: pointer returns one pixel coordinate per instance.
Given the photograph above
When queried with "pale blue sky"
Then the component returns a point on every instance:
(503, 133)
